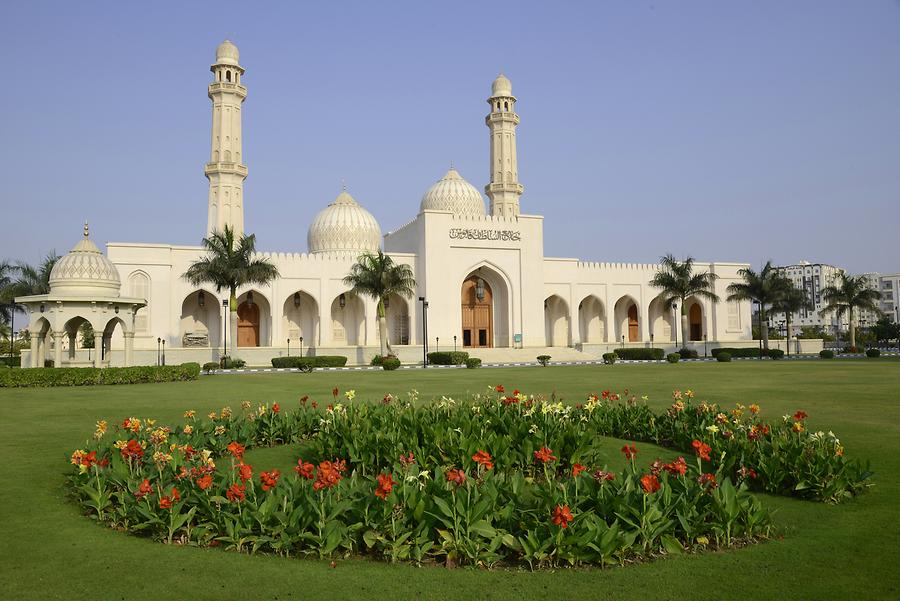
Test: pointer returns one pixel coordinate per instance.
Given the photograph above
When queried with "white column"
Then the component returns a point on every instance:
(129, 348)
(57, 348)
(35, 343)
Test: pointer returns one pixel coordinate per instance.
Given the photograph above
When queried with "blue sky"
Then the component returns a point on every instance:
(727, 131)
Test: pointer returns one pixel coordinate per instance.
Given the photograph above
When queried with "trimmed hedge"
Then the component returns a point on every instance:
(641, 354)
(776, 353)
(673, 357)
(210, 366)
(873, 352)
(723, 357)
(473, 363)
(826, 354)
(89, 376)
(448, 358)
(14, 361)
(317, 361)
(688, 353)
(610, 358)
(737, 352)
(390, 363)
(230, 363)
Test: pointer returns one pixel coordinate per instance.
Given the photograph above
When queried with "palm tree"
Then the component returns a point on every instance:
(228, 265)
(765, 287)
(853, 293)
(35, 280)
(377, 276)
(7, 293)
(679, 282)
(793, 300)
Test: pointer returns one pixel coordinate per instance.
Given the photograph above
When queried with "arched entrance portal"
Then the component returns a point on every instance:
(633, 335)
(695, 317)
(248, 324)
(477, 313)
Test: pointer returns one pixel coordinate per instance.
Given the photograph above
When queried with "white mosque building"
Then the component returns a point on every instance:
(489, 288)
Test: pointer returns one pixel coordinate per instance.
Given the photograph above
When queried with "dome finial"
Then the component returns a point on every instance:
(87, 232)
(343, 185)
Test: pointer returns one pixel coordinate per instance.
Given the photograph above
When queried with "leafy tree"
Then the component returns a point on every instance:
(35, 279)
(229, 264)
(886, 329)
(377, 276)
(7, 271)
(850, 295)
(87, 335)
(765, 287)
(792, 300)
(679, 283)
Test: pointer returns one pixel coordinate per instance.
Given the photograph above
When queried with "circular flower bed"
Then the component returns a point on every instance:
(500, 477)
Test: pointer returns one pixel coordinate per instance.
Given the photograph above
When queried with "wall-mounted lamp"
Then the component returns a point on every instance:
(201, 298)
(342, 300)
(296, 299)
(479, 289)
(387, 302)
(250, 298)
(42, 307)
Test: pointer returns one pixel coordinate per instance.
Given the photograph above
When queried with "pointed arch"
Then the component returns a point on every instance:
(556, 321)
(591, 320)
(501, 301)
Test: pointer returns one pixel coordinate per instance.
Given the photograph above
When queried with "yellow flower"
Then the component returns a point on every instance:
(190, 414)
(350, 394)
(150, 423)
(797, 427)
(77, 455)
(839, 451)
(121, 444)
(219, 430)
(226, 412)
(754, 409)
(188, 429)
(245, 405)
(689, 394)
(713, 429)
(101, 429)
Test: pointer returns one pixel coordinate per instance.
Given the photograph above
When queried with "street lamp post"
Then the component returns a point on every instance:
(454, 343)
(675, 324)
(759, 319)
(651, 339)
(158, 356)
(704, 346)
(301, 346)
(424, 331)
(289, 347)
(437, 343)
(164, 351)
(225, 330)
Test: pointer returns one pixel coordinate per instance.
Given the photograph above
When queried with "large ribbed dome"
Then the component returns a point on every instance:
(343, 226)
(227, 54)
(85, 271)
(453, 193)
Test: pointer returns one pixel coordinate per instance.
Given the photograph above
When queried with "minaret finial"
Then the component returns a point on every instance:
(343, 185)
(86, 230)
(451, 163)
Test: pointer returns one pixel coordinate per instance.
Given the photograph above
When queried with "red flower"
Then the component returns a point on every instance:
(656, 467)
(544, 455)
(385, 485)
(407, 460)
(499, 388)
(745, 472)
(144, 489)
(236, 493)
(165, 503)
(236, 449)
(630, 451)
(701, 449)
(132, 450)
(456, 476)
(204, 482)
(245, 472)
(602, 475)
(329, 474)
(707, 480)
(484, 459)
(315, 405)
(269, 479)
(562, 516)
(303, 399)
(334, 392)
(650, 483)
(800, 415)
(175, 494)
(577, 468)
(305, 470)
(103, 462)
(275, 408)
(510, 400)
(677, 467)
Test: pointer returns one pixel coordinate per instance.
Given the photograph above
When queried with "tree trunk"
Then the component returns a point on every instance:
(382, 328)
(232, 324)
(852, 331)
(684, 327)
(787, 319)
(763, 327)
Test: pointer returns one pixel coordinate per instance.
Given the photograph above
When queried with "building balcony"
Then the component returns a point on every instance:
(222, 167)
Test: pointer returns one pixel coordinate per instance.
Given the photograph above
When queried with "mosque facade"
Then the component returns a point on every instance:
(481, 270)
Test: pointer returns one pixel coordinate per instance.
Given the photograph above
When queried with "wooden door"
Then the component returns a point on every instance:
(696, 320)
(477, 316)
(248, 325)
(633, 334)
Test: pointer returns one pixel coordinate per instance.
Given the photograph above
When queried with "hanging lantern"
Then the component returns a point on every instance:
(479, 289)
(296, 299)
(387, 302)
(342, 301)
(201, 298)
(250, 298)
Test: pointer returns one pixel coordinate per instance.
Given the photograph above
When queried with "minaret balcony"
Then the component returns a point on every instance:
(502, 117)
(495, 187)
(225, 86)
(221, 167)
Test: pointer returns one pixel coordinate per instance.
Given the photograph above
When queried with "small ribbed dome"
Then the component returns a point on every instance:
(343, 226)
(453, 193)
(501, 86)
(227, 54)
(85, 271)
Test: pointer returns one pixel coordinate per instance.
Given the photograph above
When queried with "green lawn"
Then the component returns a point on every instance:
(827, 552)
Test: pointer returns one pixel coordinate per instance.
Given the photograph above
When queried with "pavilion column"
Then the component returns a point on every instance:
(57, 348)
(72, 345)
(42, 349)
(35, 343)
(98, 352)
(129, 348)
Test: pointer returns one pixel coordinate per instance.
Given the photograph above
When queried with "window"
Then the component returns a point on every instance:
(734, 315)
(139, 287)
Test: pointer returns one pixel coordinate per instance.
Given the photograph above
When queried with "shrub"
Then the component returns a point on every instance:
(210, 366)
(826, 354)
(330, 361)
(309, 362)
(376, 360)
(737, 352)
(229, 363)
(687, 353)
(48, 363)
(610, 358)
(776, 353)
(673, 357)
(723, 357)
(390, 363)
(544, 360)
(473, 363)
(88, 376)
(448, 357)
(14, 361)
(873, 352)
(641, 354)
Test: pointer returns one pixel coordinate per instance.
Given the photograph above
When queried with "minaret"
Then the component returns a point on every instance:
(504, 189)
(225, 171)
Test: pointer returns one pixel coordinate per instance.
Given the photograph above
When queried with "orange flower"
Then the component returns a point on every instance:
(456, 476)
(175, 494)
(144, 489)
(577, 468)
(385, 485)
(499, 388)
(562, 516)
(275, 408)
(650, 483)
(245, 472)
(305, 470)
(800, 415)
(544, 455)
(754, 408)
(236, 449)
(484, 459)
(329, 474)
(334, 392)
(701, 449)
(269, 479)
(630, 451)
(707, 480)
(165, 503)
(132, 450)
(797, 427)
(204, 482)
(407, 460)
(677, 467)
(236, 493)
